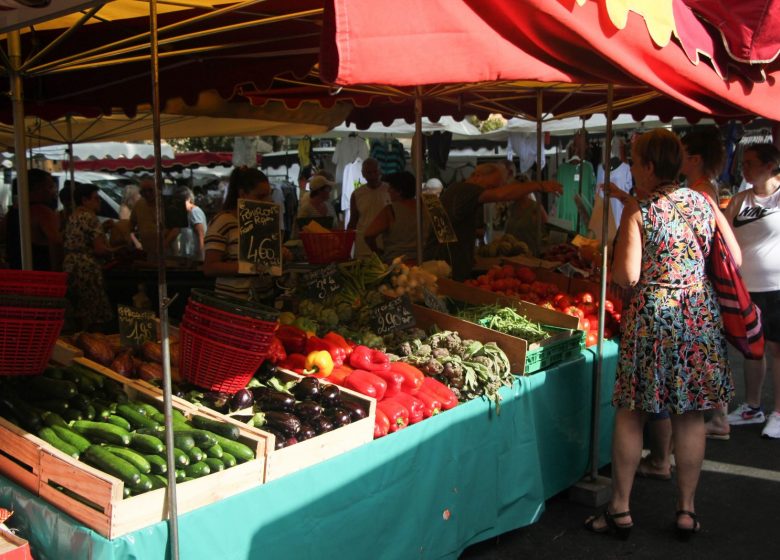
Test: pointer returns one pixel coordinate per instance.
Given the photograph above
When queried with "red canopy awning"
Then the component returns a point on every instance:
(181, 161)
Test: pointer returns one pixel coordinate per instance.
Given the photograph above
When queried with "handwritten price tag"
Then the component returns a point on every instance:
(322, 282)
(434, 302)
(260, 237)
(393, 316)
(136, 326)
(440, 220)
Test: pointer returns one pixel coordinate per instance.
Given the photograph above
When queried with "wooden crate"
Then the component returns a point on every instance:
(304, 454)
(615, 293)
(95, 498)
(64, 352)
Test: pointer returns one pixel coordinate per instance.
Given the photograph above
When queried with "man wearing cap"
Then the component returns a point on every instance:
(317, 204)
(366, 202)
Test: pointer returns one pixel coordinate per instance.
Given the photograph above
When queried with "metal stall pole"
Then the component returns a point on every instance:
(22, 187)
(418, 168)
(71, 166)
(539, 156)
(594, 434)
(162, 287)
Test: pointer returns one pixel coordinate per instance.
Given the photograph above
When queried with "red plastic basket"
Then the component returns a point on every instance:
(32, 313)
(251, 341)
(246, 323)
(215, 366)
(33, 283)
(324, 248)
(26, 344)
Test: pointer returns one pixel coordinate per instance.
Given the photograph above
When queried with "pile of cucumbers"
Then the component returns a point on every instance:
(90, 417)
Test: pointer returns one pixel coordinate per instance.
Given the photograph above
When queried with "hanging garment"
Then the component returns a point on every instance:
(569, 177)
(621, 177)
(438, 146)
(304, 151)
(391, 156)
(353, 178)
(522, 145)
(348, 150)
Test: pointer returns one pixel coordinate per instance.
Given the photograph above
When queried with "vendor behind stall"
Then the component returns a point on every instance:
(397, 222)
(144, 221)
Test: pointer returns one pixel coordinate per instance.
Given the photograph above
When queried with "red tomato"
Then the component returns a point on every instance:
(609, 307)
(592, 338)
(564, 302)
(585, 324)
(608, 332)
(616, 317)
(557, 298)
(585, 297)
(574, 312)
(589, 308)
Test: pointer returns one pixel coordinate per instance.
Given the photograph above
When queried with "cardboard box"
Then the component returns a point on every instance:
(13, 547)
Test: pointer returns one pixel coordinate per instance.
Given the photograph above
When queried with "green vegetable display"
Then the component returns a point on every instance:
(505, 320)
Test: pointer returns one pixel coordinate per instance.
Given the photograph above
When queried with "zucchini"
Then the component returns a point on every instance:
(106, 461)
(115, 392)
(50, 388)
(146, 443)
(224, 429)
(136, 419)
(53, 405)
(97, 379)
(29, 417)
(103, 409)
(84, 383)
(126, 492)
(119, 421)
(215, 464)
(158, 464)
(183, 441)
(150, 411)
(53, 419)
(238, 450)
(72, 414)
(158, 431)
(103, 431)
(214, 452)
(53, 372)
(228, 460)
(180, 475)
(178, 417)
(159, 479)
(49, 436)
(202, 438)
(196, 455)
(197, 470)
(145, 485)
(72, 438)
(180, 458)
(135, 459)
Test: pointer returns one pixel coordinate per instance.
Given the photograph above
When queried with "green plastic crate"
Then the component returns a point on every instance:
(554, 353)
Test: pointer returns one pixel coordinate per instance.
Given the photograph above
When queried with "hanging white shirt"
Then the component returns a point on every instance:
(353, 176)
(347, 151)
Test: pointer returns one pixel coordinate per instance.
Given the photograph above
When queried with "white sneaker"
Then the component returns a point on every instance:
(744, 414)
(772, 428)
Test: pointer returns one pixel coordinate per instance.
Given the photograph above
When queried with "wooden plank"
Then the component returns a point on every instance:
(20, 455)
(64, 353)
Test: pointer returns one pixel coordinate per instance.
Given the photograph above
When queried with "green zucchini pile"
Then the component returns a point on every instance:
(90, 417)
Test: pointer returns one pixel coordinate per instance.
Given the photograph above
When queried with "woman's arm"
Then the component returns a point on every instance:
(628, 247)
(516, 191)
(213, 265)
(200, 236)
(381, 224)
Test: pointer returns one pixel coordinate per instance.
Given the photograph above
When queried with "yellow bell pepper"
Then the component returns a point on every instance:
(319, 363)
(286, 318)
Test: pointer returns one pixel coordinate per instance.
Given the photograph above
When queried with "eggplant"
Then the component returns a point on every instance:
(307, 388)
(266, 371)
(290, 441)
(339, 416)
(216, 401)
(321, 424)
(285, 422)
(307, 410)
(274, 400)
(356, 410)
(241, 399)
(280, 441)
(330, 396)
(307, 432)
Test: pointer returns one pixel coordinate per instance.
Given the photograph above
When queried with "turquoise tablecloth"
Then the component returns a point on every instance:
(426, 492)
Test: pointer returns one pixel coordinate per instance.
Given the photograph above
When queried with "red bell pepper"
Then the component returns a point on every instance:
(396, 413)
(294, 362)
(340, 341)
(292, 338)
(339, 374)
(314, 344)
(366, 383)
(276, 352)
(413, 377)
(394, 382)
(368, 359)
(414, 405)
(439, 390)
(430, 403)
(381, 424)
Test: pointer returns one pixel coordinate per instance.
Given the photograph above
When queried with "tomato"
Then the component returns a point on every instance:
(589, 308)
(525, 274)
(592, 338)
(585, 324)
(616, 317)
(557, 298)
(574, 311)
(564, 302)
(585, 297)
(609, 307)
(608, 332)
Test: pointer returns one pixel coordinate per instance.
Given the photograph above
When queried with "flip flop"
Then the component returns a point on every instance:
(721, 437)
(642, 472)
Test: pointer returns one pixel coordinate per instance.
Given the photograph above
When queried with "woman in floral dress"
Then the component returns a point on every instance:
(673, 352)
(84, 243)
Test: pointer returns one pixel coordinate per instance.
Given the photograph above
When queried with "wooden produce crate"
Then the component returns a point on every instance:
(13, 547)
(281, 462)
(615, 293)
(64, 352)
(95, 498)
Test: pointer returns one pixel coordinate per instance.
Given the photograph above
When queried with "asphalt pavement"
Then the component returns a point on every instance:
(738, 502)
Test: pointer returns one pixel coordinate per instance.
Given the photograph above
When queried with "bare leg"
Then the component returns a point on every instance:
(659, 461)
(718, 424)
(754, 380)
(689, 444)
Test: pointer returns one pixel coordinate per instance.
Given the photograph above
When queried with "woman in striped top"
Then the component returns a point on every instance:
(221, 244)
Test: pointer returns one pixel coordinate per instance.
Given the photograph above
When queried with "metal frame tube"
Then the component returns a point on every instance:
(20, 147)
(418, 169)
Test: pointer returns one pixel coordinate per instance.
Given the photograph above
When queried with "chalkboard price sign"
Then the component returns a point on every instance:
(440, 220)
(433, 302)
(260, 237)
(136, 326)
(395, 315)
(322, 282)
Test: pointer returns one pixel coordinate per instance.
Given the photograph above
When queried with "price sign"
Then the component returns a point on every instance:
(322, 282)
(259, 238)
(440, 220)
(434, 302)
(136, 326)
(395, 315)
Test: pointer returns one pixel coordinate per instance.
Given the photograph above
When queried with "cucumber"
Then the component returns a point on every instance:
(119, 421)
(53, 419)
(214, 452)
(49, 388)
(179, 457)
(97, 379)
(158, 431)
(150, 411)
(238, 450)
(136, 419)
(115, 392)
(126, 492)
(72, 414)
(103, 431)
(53, 405)
(183, 441)
(202, 438)
(29, 417)
(197, 470)
(103, 409)
(158, 464)
(224, 429)
(228, 460)
(215, 464)
(72, 438)
(180, 475)
(135, 459)
(146, 443)
(196, 455)
(159, 479)
(178, 417)
(84, 383)
(53, 373)
(49, 436)
(138, 407)
(145, 485)
(106, 461)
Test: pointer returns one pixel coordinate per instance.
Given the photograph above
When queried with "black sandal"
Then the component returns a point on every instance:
(684, 534)
(621, 531)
